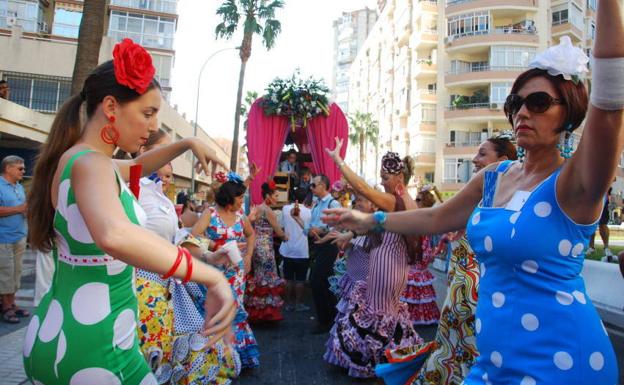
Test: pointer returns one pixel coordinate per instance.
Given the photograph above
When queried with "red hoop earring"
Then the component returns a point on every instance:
(109, 132)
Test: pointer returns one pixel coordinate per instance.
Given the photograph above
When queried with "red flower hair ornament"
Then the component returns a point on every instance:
(133, 66)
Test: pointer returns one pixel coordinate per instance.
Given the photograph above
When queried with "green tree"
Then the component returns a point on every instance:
(364, 130)
(89, 41)
(250, 98)
(257, 17)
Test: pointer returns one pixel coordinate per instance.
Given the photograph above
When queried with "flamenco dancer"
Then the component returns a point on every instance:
(375, 318)
(508, 206)
(263, 299)
(84, 330)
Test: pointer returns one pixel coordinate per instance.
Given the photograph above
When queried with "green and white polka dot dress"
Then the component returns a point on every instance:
(84, 330)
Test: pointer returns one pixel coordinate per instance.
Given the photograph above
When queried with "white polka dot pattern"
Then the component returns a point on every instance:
(61, 348)
(498, 299)
(478, 325)
(563, 360)
(514, 217)
(94, 376)
(580, 297)
(578, 250)
(565, 247)
(596, 361)
(497, 359)
(542, 209)
(51, 325)
(476, 219)
(487, 243)
(528, 380)
(31, 335)
(124, 329)
(530, 322)
(91, 303)
(564, 298)
(530, 266)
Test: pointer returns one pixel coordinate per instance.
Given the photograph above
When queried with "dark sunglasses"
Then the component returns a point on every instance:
(418, 200)
(537, 102)
(312, 185)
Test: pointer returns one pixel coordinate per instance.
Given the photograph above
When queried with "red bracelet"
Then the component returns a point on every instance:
(175, 265)
(189, 265)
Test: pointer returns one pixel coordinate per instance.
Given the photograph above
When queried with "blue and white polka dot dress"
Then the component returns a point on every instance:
(534, 322)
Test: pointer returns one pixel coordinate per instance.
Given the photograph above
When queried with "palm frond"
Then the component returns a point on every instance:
(267, 11)
(272, 28)
(251, 26)
(228, 11)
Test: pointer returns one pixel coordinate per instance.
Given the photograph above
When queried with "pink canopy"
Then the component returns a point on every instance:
(266, 136)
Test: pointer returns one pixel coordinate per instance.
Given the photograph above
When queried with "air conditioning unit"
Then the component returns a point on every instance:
(11, 21)
(496, 106)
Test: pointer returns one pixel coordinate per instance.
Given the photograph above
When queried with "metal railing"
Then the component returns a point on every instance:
(164, 6)
(484, 68)
(470, 106)
(493, 31)
(149, 41)
(464, 143)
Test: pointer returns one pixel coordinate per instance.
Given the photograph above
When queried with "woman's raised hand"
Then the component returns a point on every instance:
(347, 219)
(335, 154)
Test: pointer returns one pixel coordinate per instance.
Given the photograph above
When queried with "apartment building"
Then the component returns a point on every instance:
(350, 32)
(38, 39)
(437, 74)
(394, 78)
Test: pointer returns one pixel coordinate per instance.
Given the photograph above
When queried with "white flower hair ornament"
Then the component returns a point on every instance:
(563, 59)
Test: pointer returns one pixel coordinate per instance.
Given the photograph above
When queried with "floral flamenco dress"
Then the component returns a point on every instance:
(84, 330)
(220, 233)
(170, 320)
(263, 299)
(535, 323)
(419, 294)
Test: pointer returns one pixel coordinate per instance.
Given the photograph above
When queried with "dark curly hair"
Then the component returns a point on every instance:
(228, 192)
(266, 190)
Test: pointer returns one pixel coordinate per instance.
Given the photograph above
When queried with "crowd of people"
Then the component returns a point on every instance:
(136, 291)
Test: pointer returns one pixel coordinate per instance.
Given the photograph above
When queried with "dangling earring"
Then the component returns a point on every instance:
(565, 147)
(109, 132)
(521, 153)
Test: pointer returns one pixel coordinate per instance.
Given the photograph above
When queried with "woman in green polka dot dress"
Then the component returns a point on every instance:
(84, 330)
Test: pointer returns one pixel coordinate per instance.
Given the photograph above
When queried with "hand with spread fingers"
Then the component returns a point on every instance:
(335, 153)
(347, 219)
(220, 311)
(207, 160)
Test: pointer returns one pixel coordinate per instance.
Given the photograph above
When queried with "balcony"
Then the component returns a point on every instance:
(424, 37)
(160, 6)
(424, 96)
(486, 38)
(457, 149)
(424, 159)
(423, 6)
(424, 68)
(477, 112)
(565, 27)
(148, 41)
(460, 6)
(482, 74)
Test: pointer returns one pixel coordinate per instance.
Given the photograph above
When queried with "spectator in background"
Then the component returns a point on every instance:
(4, 89)
(12, 235)
(305, 179)
(289, 165)
(603, 230)
(295, 217)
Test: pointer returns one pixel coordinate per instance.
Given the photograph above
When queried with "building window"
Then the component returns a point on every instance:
(26, 13)
(163, 65)
(428, 113)
(591, 30)
(576, 16)
(592, 4)
(499, 92)
(41, 93)
(511, 56)
(150, 31)
(164, 6)
(560, 14)
(66, 21)
(475, 23)
(165, 128)
(457, 170)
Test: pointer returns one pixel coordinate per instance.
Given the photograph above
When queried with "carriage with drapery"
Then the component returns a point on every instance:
(293, 113)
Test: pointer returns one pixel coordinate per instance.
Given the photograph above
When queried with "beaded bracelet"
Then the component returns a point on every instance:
(175, 265)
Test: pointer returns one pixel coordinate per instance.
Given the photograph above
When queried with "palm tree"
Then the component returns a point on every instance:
(89, 41)
(364, 130)
(257, 17)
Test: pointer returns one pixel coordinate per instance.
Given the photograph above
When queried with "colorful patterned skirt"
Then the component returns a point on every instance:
(263, 297)
(172, 350)
(420, 296)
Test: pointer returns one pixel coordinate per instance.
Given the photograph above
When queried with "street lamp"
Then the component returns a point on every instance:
(197, 110)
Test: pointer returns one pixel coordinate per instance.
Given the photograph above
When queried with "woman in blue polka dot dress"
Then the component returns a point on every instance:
(529, 221)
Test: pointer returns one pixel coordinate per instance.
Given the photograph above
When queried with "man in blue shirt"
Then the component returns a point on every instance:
(12, 235)
(324, 255)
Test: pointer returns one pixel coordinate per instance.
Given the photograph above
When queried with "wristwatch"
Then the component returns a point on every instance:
(380, 218)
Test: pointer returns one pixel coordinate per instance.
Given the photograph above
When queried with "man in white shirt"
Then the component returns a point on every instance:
(295, 217)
